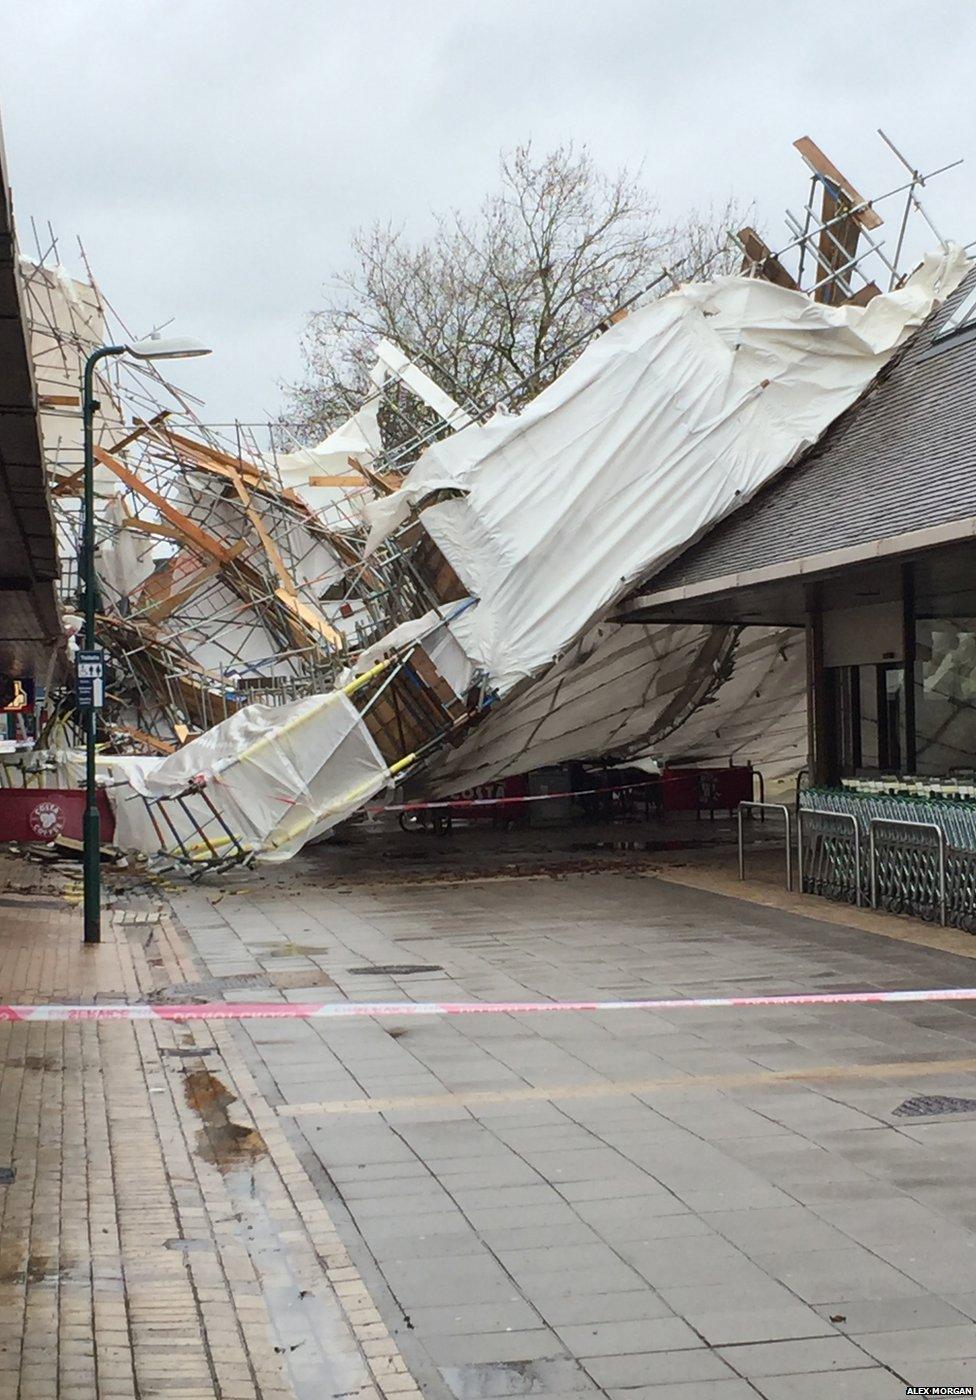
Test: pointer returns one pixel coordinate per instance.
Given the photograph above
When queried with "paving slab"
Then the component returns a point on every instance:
(816, 1355)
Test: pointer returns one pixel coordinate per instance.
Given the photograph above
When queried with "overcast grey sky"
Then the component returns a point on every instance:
(214, 155)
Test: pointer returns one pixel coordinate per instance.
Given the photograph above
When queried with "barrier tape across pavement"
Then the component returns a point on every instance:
(442, 804)
(340, 1010)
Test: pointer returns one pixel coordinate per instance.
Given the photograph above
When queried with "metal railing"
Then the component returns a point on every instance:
(910, 893)
(766, 807)
(825, 812)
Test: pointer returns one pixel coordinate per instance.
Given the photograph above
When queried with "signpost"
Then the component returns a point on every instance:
(90, 679)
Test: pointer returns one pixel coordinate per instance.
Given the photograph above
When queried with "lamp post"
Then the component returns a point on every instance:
(155, 347)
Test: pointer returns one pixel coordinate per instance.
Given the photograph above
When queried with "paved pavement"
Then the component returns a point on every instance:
(158, 1235)
(644, 1206)
(713, 1204)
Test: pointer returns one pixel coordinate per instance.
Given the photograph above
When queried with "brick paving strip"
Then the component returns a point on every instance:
(155, 1241)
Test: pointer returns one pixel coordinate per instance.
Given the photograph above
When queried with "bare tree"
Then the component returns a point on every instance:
(493, 306)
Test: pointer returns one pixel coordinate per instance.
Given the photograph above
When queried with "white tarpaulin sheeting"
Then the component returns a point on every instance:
(280, 776)
(669, 421)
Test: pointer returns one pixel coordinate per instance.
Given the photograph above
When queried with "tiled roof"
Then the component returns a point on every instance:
(902, 458)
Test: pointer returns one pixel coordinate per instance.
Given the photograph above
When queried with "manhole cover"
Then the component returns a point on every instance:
(928, 1105)
(394, 969)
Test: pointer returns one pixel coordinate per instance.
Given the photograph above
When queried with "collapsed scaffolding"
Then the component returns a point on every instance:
(294, 631)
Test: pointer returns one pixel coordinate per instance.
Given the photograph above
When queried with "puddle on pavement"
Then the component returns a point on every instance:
(38, 1268)
(503, 1378)
(219, 1141)
(18, 1267)
(316, 1350)
(13, 1260)
(28, 902)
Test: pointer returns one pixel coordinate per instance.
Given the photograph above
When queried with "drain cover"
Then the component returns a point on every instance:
(394, 969)
(928, 1105)
(7, 1175)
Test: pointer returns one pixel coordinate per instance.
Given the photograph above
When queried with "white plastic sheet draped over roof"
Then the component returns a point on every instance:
(666, 423)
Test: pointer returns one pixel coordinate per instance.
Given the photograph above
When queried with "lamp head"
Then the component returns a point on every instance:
(157, 347)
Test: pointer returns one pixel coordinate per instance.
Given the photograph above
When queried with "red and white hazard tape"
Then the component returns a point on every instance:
(444, 803)
(340, 1010)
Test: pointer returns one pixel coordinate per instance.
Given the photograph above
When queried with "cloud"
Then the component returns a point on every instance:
(214, 155)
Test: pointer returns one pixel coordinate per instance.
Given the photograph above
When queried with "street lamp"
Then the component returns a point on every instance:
(154, 347)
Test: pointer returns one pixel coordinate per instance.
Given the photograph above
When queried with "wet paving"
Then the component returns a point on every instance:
(309, 1333)
(220, 1141)
(380, 852)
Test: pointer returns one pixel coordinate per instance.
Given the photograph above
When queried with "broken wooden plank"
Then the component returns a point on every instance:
(863, 295)
(337, 481)
(154, 527)
(311, 619)
(837, 246)
(214, 457)
(72, 485)
(758, 255)
(384, 485)
(267, 543)
(142, 427)
(188, 528)
(824, 167)
(149, 741)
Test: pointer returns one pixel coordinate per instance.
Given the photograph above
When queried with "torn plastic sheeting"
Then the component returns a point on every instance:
(280, 776)
(360, 437)
(669, 421)
(444, 641)
(125, 559)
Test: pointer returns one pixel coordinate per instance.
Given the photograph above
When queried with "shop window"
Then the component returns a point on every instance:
(945, 695)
